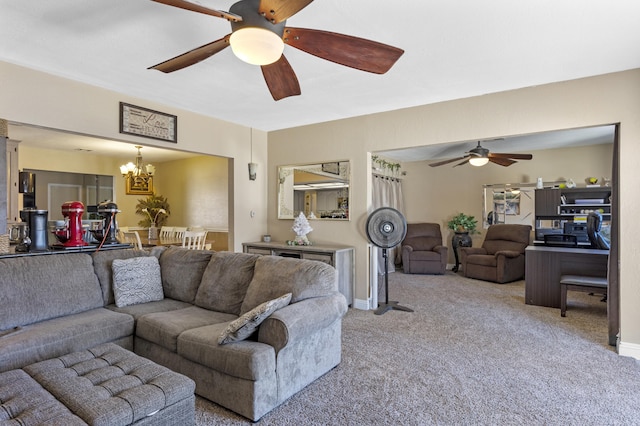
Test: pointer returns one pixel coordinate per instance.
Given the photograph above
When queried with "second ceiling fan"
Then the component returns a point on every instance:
(480, 156)
(258, 34)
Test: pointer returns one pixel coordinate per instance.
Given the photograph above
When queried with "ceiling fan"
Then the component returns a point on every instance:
(258, 34)
(480, 156)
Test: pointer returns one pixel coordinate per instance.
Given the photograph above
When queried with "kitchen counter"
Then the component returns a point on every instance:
(62, 250)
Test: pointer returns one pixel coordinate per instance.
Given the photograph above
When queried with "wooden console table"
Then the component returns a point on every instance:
(545, 266)
(338, 256)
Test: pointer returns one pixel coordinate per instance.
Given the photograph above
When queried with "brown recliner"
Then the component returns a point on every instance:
(422, 249)
(501, 257)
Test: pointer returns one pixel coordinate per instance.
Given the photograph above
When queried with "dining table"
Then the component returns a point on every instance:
(148, 242)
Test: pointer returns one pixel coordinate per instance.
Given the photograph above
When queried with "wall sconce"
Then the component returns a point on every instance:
(252, 166)
(138, 177)
(252, 171)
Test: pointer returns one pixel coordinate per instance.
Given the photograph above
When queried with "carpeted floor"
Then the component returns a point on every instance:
(472, 353)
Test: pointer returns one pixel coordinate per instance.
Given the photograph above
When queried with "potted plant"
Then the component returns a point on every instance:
(462, 225)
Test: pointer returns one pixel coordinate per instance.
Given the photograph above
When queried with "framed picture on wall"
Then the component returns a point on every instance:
(136, 185)
(139, 121)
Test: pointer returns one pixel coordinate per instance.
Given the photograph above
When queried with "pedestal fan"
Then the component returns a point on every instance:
(386, 228)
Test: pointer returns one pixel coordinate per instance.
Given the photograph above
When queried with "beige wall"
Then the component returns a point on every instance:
(197, 190)
(591, 101)
(36, 98)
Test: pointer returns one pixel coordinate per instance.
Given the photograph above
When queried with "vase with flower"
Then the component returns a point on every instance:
(153, 227)
(155, 209)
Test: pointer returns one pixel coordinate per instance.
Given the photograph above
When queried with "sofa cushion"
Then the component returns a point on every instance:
(102, 265)
(243, 327)
(274, 276)
(163, 328)
(247, 360)
(59, 336)
(163, 305)
(136, 280)
(59, 285)
(225, 282)
(182, 271)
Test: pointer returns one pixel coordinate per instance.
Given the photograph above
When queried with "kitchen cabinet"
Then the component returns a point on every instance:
(339, 256)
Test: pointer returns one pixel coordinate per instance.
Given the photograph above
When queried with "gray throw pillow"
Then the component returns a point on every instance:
(244, 326)
(136, 280)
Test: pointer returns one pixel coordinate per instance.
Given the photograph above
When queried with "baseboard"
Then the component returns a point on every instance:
(629, 349)
(361, 304)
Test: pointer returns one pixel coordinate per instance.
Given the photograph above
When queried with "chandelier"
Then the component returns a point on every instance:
(138, 176)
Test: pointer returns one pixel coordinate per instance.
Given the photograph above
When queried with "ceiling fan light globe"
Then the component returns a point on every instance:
(478, 161)
(256, 46)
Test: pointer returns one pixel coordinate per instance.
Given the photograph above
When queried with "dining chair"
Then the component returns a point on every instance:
(131, 237)
(166, 232)
(178, 232)
(194, 240)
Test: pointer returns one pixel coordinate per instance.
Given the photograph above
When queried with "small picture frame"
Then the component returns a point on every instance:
(333, 168)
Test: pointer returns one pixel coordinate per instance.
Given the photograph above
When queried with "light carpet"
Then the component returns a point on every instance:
(472, 353)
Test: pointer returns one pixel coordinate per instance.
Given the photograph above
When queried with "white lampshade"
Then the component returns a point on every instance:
(151, 169)
(256, 46)
(123, 169)
(478, 161)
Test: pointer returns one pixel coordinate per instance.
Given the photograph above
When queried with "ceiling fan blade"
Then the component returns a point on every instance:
(514, 156)
(442, 163)
(462, 163)
(277, 11)
(281, 79)
(193, 56)
(354, 52)
(187, 5)
(502, 161)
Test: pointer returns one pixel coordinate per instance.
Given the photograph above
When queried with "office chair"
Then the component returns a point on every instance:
(594, 224)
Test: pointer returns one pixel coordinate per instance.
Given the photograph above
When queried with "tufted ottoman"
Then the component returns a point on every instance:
(24, 402)
(108, 385)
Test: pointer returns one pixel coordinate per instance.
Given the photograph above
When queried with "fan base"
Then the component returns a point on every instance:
(384, 307)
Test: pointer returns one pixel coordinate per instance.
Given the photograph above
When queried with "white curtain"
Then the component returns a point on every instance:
(387, 192)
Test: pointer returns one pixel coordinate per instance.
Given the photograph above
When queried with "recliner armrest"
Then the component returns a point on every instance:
(408, 249)
(301, 319)
(441, 249)
(468, 251)
(508, 253)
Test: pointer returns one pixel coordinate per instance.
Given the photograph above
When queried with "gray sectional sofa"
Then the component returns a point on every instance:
(52, 305)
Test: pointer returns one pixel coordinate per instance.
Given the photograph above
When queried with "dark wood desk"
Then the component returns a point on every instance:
(545, 265)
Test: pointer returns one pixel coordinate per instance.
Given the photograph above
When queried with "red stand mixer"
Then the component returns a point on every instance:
(71, 234)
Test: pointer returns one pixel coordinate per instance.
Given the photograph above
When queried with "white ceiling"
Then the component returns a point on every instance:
(453, 49)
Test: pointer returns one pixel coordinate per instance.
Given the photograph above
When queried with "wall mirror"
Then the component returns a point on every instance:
(512, 203)
(320, 191)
